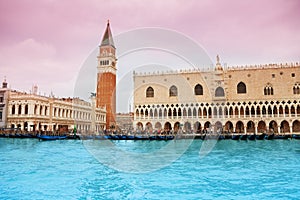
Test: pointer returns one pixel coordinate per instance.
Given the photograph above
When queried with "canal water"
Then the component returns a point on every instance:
(75, 169)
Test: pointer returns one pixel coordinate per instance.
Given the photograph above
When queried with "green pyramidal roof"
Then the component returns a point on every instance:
(107, 39)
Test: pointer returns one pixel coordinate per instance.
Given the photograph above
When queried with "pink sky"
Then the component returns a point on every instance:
(45, 42)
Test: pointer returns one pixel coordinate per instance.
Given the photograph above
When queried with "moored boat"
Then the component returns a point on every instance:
(270, 137)
(51, 137)
(252, 137)
(261, 136)
(282, 137)
(243, 137)
(235, 137)
(294, 136)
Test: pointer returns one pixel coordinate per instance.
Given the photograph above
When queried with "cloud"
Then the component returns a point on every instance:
(31, 62)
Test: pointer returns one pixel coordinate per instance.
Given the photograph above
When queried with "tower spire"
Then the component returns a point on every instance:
(107, 39)
(106, 77)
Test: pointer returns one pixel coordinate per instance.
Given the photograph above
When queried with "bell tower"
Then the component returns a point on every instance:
(106, 77)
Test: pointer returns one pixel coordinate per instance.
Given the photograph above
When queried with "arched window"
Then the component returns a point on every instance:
(219, 92)
(198, 89)
(173, 91)
(296, 88)
(13, 110)
(20, 110)
(268, 90)
(26, 109)
(241, 88)
(149, 92)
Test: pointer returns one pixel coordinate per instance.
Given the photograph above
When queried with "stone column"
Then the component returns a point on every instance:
(291, 129)
(255, 128)
(267, 126)
(278, 129)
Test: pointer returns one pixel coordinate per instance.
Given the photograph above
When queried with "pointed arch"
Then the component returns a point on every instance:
(173, 92)
(155, 113)
(204, 112)
(242, 113)
(219, 92)
(184, 112)
(170, 113)
(189, 112)
(160, 113)
(197, 127)
(194, 112)
(198, 90)
(247, 111)
(179, 112)
(167, 126)
(241, 88)
(174, 112)
(268, 90)
(250, 127)
(296, 126)
(296, 88)
(149, 92)
(158, 126)
(176, 126)
(187, 126)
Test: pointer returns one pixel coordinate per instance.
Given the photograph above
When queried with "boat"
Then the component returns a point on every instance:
(51, 137)
(169, 137)
(294, 136)
(243, 137)
(235, 137)
(108, 137)
(130, 137)
(115, 137)
(270, 137)
(252, 137)
(283, 137)
(261, 136)
(73, 136)
(140, 137)
(152, 137)
(123, 137)
(161, 137)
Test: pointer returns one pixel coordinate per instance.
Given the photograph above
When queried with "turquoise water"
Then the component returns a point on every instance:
(65, 169)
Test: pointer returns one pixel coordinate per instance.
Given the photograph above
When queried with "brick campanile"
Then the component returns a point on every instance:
(106, 77)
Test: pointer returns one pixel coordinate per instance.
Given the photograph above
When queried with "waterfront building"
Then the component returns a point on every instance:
(246, 99)
(124, 121)
(106, 77)
(33, 112)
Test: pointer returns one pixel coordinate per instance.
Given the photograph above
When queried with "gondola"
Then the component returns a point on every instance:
(260, 137)
(270, 137)
(282, 137)
(130, 137)
(294, 136)
(235, 137)
(243, 137)
(252, 137)
(51, 137)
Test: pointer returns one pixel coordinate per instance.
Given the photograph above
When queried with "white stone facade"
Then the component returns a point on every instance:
(250, 99)
(32, 112)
